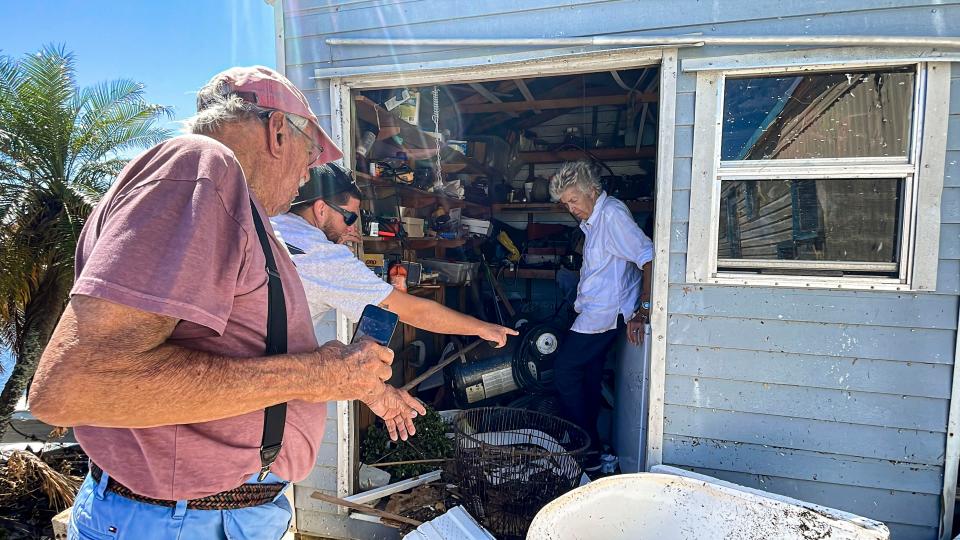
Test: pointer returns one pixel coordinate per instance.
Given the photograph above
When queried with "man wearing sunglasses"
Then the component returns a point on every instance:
(321, 220)
(186, 360)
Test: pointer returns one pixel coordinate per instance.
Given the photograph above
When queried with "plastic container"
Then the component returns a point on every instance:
(366, 143)
(692, 506)
(452, 272)
(414, 226)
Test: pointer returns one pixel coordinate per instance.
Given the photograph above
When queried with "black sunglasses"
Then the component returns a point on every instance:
(349, 218)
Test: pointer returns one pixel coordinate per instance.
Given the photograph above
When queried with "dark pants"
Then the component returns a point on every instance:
(578, 376)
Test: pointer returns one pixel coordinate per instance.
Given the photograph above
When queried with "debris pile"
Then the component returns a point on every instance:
(35, 487)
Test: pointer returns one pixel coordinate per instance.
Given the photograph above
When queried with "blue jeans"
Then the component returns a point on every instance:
(99, 514)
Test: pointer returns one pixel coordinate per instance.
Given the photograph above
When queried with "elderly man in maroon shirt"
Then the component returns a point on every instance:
(166, 361)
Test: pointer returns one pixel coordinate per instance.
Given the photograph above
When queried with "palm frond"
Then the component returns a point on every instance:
(59, 148)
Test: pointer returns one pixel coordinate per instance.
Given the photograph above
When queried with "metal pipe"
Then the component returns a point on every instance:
(454, 354)
(863, 41)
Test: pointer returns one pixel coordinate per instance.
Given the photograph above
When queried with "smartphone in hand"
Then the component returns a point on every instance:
(377, 323)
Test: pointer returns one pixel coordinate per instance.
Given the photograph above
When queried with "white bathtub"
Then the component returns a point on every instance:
(662, 506)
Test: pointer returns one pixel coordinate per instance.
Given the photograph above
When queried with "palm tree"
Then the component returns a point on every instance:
(60, 148)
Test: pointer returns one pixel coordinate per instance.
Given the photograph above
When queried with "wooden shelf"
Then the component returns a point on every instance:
(472, 207)
(455, 157)
(424, 290)
(417, 198)
(531, 273)
(530, 208)
(417, 144)
(561, 103)
(415, 243)
(607, 154)
(640, 205)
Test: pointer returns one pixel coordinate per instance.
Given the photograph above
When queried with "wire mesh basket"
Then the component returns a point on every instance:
(509, 463)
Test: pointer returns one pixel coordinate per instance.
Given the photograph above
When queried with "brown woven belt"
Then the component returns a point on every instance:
(244, 496)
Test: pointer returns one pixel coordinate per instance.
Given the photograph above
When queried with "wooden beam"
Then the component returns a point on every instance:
(504, 86)
(527, 94)
(565, 103)
(524, 122)
(558, 91)
(493, 99)
(537, 119)
(612, 154)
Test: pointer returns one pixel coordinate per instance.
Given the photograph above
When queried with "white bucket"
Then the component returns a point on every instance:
(668, 507)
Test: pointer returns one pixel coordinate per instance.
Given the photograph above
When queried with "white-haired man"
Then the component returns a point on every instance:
(614, 282)
(186, 358)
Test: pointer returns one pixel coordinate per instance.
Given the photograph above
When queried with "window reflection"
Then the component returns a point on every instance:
(820, 115)
(850, 220)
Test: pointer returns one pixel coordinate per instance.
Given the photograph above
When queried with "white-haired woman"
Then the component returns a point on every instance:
(614, 282)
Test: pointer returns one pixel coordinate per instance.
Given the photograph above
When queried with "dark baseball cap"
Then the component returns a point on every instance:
(326, 181)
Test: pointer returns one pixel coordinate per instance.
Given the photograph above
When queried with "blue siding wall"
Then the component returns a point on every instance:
(835, 397)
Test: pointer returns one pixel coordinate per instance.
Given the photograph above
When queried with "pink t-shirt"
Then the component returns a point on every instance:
(175, 236)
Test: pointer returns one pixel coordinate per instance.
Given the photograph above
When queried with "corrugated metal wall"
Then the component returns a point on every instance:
(836, 397)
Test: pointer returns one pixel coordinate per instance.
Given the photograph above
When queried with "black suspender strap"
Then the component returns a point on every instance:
(294, 250)
(274, 416)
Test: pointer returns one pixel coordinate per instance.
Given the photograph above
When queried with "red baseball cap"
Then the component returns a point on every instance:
(268, 89)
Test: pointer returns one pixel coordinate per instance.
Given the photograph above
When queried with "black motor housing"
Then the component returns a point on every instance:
(491, 375)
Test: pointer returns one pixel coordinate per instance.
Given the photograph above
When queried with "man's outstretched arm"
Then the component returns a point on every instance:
(433, 317)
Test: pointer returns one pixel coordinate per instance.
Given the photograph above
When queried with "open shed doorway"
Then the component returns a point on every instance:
(482, 153)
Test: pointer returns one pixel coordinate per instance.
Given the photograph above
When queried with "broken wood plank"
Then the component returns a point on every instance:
(363, 508)
(395, 487)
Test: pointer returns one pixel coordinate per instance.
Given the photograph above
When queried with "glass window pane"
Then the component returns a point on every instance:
(818, 115)
(848, 220)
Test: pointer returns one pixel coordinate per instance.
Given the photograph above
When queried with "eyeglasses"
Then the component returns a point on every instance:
(316, 150)
(349, 218)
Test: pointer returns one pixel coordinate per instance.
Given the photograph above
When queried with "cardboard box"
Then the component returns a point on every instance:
(413, 226)
(373, 260)
(377, 263)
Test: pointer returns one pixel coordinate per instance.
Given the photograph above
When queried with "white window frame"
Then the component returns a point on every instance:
(922, 170)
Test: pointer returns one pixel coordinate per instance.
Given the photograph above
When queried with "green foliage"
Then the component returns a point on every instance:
(61, 147)
(430, 442)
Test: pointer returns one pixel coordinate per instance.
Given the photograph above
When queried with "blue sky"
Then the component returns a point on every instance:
(172, 46)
